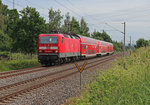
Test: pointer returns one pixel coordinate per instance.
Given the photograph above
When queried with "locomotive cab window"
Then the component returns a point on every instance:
(52, 40)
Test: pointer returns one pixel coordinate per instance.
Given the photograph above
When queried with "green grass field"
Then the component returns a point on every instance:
(119, 86)
(19, 61)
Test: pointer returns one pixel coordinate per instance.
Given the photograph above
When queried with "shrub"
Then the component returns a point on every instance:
(4, 55)
(119, 86)
(18, 64)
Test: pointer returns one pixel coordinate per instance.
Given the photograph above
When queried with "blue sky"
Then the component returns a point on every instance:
(136, 14)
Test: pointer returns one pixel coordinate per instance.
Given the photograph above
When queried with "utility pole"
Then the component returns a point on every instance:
(130, 45)
(124, 38)
(13, 4)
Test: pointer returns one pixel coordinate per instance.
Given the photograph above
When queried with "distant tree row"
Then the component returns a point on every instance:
(19, 30)
(142, 43)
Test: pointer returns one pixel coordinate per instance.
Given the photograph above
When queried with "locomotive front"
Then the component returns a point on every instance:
(48, 48)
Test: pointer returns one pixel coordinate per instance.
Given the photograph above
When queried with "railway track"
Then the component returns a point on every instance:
(17, 89)
(32, 70)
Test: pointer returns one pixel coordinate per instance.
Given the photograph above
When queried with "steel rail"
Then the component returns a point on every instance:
(31, 71)
(7, 97)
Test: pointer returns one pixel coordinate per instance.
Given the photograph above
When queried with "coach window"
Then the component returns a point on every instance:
(84, 46)
(62, 39)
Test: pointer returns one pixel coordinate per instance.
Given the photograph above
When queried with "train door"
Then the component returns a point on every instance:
(86, 49)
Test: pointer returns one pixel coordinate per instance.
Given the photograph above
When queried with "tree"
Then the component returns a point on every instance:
(83, 27)
(29, 27)
(12, 25)
(54, 20)
(66, 27)
(4, 38)
(106, 37)
(102, 36)
(141, 43)
(75, 27)
(96, 35)
(117, 46)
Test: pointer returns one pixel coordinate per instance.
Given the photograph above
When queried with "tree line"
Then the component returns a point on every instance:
(19, 30)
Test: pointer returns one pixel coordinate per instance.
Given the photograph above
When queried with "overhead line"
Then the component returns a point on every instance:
(67, 8)
(15, 3)
(113, 28)
(35, 4)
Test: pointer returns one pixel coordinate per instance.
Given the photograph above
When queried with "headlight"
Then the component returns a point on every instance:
(56, 51)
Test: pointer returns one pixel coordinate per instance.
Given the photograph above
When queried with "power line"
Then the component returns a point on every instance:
(38, 6)
(67, 8)
(35, 4)
(124, 14)
(15, 3)
(113, 28)
(69, 2)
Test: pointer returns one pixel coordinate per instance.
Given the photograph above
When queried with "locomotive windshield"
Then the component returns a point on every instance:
(51, 39)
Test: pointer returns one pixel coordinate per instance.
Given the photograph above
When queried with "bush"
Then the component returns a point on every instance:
(141, 43)
(21, 56)
(18, 64)
(4, 55)
(119, 86)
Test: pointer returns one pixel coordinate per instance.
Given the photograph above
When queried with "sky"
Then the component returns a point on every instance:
(107, 15)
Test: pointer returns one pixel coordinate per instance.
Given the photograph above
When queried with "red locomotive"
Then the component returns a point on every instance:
(61, 48)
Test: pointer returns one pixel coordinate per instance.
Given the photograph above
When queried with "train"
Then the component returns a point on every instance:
(61, 48)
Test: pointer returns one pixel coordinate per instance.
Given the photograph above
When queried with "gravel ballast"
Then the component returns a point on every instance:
(56, 93)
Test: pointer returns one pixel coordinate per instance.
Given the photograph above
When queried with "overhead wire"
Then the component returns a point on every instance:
(38, 6)
(114, 28)
(15, 3)
(72, 11)
(67, 8)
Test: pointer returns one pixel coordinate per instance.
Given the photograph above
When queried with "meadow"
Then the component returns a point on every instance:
(17, 61)
(119, 85)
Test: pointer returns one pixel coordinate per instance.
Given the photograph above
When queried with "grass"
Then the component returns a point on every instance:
(19, 61)
(119, 86)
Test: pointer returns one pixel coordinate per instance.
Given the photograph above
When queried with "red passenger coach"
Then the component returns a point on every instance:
(88, 46)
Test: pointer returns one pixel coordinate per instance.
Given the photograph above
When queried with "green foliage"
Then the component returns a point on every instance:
(75, 27)
(54, 20)
(84, 28)
(4, 55)
(3, 18)
(21, 56)
(141, 43)
(118, 86)
(12, 25)
(30, 26)
(67, 24)
(102, 36)
(18, 64)
(18, 61)
(5, 40)
(117, 46)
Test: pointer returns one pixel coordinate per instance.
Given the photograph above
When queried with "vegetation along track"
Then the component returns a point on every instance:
(10, 91)
(31, 70)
